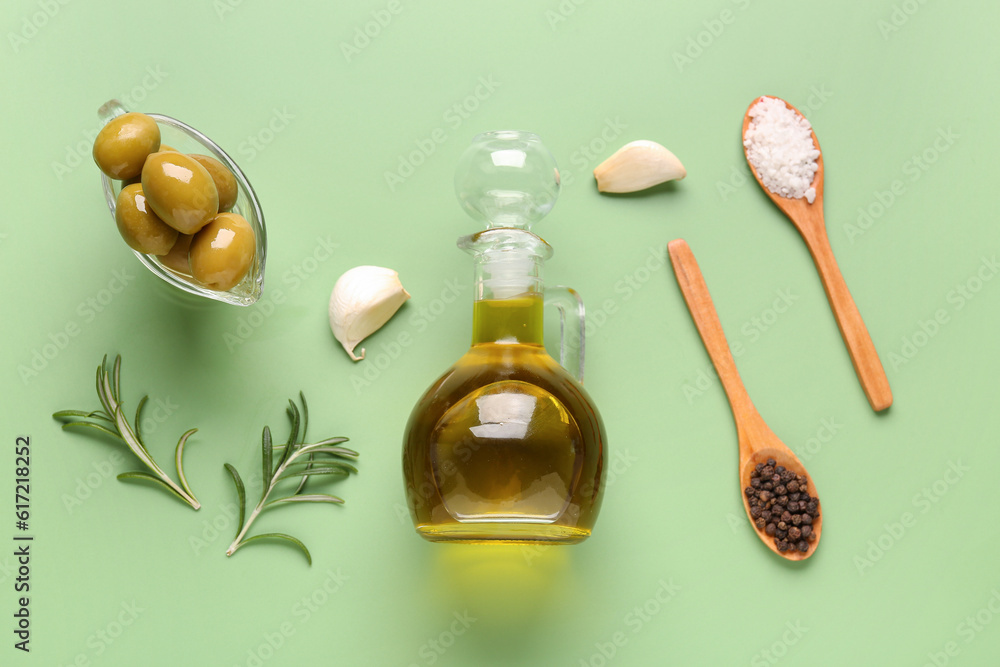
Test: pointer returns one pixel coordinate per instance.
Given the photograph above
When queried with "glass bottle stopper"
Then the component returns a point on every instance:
(507, 179)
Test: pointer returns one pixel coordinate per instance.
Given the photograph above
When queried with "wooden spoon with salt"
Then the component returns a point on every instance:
(757, 442)
(808, 219)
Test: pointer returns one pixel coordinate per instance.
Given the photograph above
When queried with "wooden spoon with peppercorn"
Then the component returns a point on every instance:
(778, 493)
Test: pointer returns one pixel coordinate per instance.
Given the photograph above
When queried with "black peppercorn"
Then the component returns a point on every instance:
(780, 505)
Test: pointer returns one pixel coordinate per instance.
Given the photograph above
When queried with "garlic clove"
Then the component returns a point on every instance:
(636, 166)
(363, 299)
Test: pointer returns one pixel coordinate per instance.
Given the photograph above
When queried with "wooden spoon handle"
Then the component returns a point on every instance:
(706, 319)
(859, 343)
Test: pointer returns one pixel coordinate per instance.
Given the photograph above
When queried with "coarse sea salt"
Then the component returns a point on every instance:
(780, 147)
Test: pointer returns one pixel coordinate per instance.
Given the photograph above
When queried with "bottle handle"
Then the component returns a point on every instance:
(111, 110)
(572, 324)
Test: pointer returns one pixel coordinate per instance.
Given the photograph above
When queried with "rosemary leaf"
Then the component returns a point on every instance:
(137, 475)
(116, 425)
(92, 425)
(339, 452)
(296, 461)
(116, 387)
(138, 417)
(329, 449)
(179, 459)
(241, 493)
(305, 425)
(328, 441)
(267, 454)
(276, 536)
(305, 417)
(100, 387)
(315, 471)
(326, 465)
(313, 498)
(293, 436)
(93, 414)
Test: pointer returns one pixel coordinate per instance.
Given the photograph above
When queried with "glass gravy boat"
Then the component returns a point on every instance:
(186, 139)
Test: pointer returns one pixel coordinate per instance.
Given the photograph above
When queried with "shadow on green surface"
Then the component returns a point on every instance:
(510, 590)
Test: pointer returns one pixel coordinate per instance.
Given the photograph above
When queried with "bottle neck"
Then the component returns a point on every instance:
(508, 285)
(508, 289)
(517, 320)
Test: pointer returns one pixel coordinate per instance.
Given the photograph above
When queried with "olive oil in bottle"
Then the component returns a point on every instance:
(506, 445)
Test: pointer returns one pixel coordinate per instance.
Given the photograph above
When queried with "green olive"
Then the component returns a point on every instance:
(177, 258)
(139, 226)
(164, 148)
(123, 144)
(222, 252)
(180, 191)
(224, 180)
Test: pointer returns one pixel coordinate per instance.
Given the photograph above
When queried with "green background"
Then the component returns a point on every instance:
(124, 575)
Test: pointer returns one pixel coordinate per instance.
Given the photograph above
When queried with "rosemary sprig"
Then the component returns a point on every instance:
(112, 421)
(295, 459)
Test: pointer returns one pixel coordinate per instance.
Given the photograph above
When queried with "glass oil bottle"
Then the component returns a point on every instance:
(507, 446)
